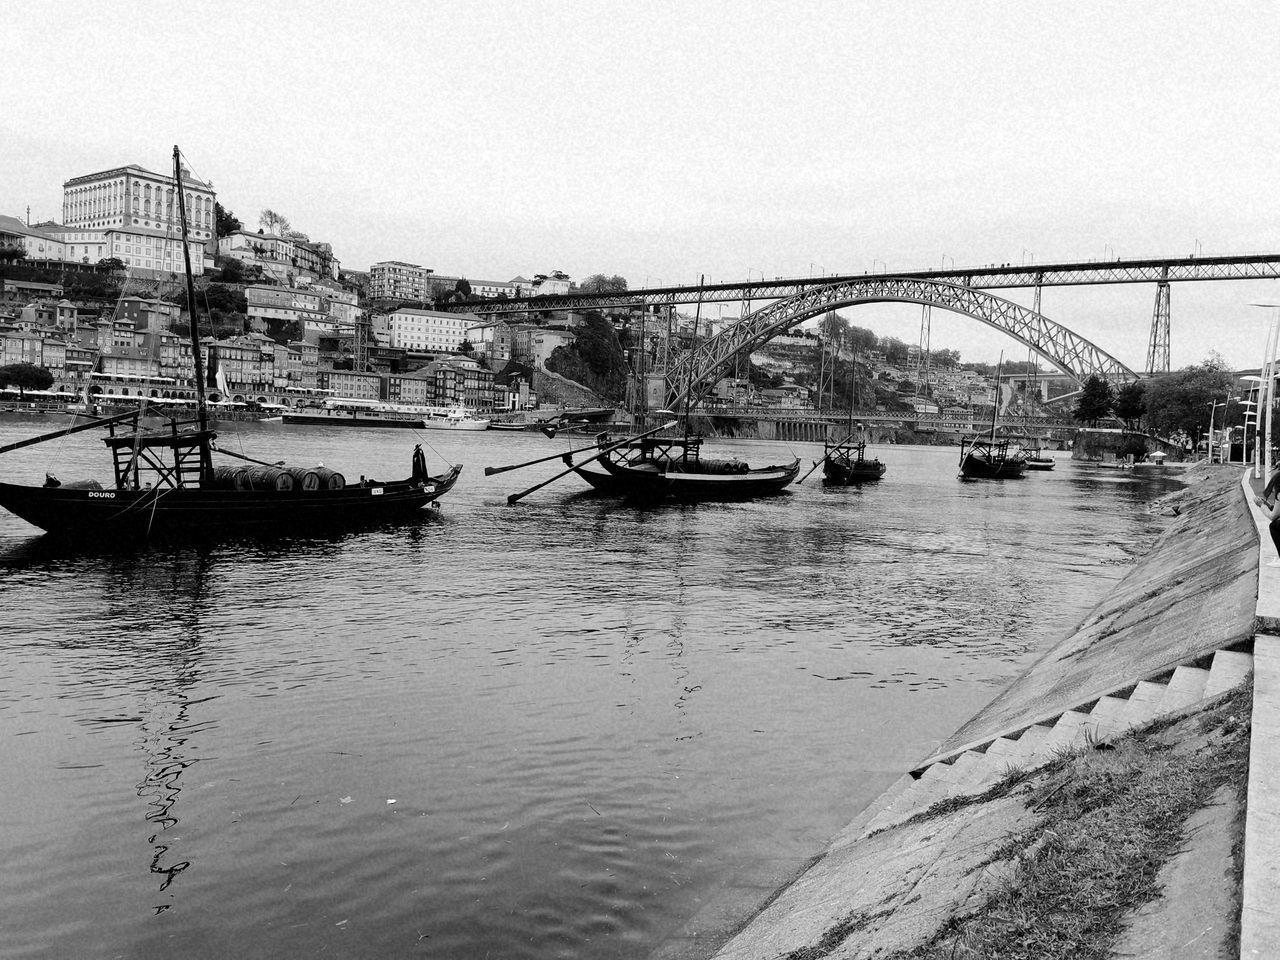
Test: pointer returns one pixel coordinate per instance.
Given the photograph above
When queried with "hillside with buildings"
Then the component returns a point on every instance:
(97, 299)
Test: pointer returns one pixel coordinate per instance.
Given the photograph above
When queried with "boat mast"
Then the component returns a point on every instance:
(688, 386)
(202, 411)
(995, 408)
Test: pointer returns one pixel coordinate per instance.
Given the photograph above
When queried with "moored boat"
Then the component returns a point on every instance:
(846, 463)
(1038, 459)
(982, 458)
(165, 483)
(989, 458)
(455, 418)
(656, 468)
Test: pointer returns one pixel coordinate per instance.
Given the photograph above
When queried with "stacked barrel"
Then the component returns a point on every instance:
(282, 479)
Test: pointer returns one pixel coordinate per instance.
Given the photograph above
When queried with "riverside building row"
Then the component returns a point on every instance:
(141, 351)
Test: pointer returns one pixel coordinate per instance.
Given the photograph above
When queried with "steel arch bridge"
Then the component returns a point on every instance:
(1066, 350)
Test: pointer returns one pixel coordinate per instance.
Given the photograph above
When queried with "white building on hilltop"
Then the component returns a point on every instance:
(133, 214)
(427, 331)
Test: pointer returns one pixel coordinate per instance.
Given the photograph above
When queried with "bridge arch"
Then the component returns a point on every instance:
(1066, 350)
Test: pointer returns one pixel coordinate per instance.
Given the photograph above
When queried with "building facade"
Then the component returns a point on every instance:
(134, 215)
(427, 331)
(397, 280)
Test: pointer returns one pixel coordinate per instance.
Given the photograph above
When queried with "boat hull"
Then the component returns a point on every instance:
(192, 512)
(835, 473)
(979, 468)
(647, 482)
(321, 420)
(430, 424)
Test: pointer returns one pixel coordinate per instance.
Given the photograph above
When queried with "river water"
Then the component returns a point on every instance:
(555, 729)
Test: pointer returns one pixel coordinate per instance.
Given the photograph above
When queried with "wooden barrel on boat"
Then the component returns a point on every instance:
(231, 478)
(305, 478)
(330, 479)
(270, 478)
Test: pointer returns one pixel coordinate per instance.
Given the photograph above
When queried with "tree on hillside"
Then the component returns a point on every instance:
(273, 222)
(227, 299)
(833, 327)
(1181, 401)
(1094, 402)
(25, 376)
(12, 254)
(225, 222)
(599, 283)
(112, 263)
(863, 340)
(1130, 404)
(595, 359)
(462, 288)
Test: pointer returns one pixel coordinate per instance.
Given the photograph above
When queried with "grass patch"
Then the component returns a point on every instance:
(835, 936)
(1111, 819)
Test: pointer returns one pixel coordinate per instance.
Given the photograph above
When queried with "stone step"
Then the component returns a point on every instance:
(971, 769)
(908, 801)
(935, 771)
(1143, 704)
(1104, 718)
(1018, 753)
(1185, 688)
(1063, 736)
(1228, 669)
(857, 827)
(1000, 747)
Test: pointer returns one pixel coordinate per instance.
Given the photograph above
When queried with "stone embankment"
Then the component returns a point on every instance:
(1097, 806)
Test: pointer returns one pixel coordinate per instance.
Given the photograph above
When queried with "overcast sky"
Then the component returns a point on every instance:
(663, 140)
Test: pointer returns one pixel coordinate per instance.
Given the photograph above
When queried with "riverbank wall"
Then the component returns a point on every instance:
(1156, 675)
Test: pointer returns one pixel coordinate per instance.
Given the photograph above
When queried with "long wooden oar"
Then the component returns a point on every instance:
(604, 450)
(811, 469)
(490, 471)
(100, 422)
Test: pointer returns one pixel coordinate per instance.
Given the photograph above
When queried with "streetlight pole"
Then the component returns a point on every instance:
(1262, 427)
(1213, 409)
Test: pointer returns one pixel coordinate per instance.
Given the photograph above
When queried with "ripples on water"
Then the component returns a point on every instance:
(590, 717)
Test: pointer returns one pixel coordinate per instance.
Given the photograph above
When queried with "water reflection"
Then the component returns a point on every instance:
(588, 714)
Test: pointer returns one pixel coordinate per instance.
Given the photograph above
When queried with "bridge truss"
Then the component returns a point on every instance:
(1004, 276)
(1060, 346)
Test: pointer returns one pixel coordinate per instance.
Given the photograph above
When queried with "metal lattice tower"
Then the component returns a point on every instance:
(922, 361)
(1158, 351)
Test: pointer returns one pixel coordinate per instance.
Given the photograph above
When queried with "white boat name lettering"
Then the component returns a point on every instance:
(376, 491)
(104, 494)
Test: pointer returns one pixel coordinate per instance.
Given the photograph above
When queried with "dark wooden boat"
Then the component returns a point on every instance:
(983, 458)
(177, 502)
(658, 468)
(165, 483)
(846, 463)
(1037, 459)
(987, 458)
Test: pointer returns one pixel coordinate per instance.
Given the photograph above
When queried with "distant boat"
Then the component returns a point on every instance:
(353, 417)
(846, 463)
(982, 458)
(371, 413)
(986, 458)
(165, 484)
(1038, 459)
(457, 418)
(658, 468)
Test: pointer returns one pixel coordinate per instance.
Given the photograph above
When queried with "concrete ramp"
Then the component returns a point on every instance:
(1193, 594)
